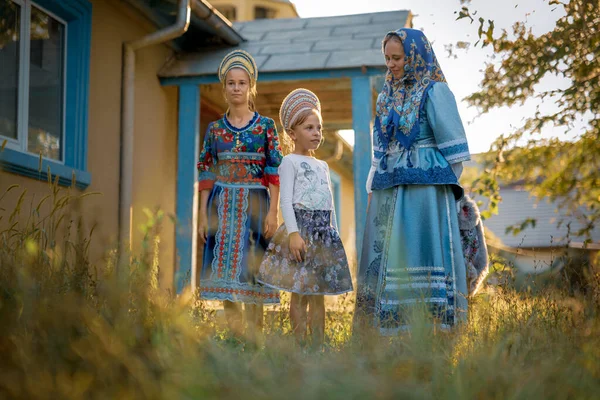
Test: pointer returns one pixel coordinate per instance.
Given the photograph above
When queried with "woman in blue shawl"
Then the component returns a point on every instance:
(412, 252)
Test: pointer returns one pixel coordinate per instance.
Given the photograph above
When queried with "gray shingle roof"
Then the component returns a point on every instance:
(323, 43)
(517, 205)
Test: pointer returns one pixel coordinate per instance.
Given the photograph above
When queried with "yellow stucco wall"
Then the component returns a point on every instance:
(155, 135)
(155, 138)
(245, 8)
(348, 225)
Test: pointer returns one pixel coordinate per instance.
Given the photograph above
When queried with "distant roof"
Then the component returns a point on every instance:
(518, 205)
(323, 43)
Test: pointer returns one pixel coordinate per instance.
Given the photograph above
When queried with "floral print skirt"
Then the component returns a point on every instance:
(324, 270)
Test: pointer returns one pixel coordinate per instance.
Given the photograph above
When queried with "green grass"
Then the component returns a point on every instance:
(73, 330)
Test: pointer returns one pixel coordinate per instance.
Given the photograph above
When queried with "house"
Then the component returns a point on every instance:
(547, 243)
(339, 58)
(62, 95)
(117, 95)
(248, 10)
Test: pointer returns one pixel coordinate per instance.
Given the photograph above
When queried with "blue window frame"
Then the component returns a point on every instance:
(45, 46)
(336, 182)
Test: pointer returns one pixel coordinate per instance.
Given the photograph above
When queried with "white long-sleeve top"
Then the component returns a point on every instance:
(304, 183)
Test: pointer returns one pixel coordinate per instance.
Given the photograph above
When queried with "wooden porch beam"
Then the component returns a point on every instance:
(280, 76)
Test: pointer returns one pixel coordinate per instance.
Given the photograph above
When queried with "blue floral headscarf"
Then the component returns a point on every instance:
(401, 101)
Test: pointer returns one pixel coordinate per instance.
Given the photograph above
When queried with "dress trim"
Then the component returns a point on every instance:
(250, 123)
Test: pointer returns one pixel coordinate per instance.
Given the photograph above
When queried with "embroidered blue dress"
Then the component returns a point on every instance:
(412, 248)
(237, 165)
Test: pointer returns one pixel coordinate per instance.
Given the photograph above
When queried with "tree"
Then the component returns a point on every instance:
(567, 173)
(10, 23)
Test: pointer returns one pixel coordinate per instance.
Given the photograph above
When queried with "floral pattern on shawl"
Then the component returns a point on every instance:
(401, 101)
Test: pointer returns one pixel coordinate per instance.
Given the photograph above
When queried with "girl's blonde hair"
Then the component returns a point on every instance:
(287, 144)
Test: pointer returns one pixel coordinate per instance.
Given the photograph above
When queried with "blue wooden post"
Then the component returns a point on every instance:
(362, 117)
(187, 185)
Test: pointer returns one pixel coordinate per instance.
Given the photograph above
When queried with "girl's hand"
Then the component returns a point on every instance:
(297, 247)
(271, 224)
(203, 227)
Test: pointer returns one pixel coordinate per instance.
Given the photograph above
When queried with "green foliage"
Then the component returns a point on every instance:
(516, 229)
(10, 23)
(567, 173)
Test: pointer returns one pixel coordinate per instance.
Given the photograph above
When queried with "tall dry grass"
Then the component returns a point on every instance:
(73, 330)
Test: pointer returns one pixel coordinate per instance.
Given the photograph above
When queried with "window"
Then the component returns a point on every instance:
(228, 12)
(44, 64)
(32, 100)
(10, 53)
(263, 13)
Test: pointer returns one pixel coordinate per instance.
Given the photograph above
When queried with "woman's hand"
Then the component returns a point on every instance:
(297, 247)
(369, 201)
(271, 224)
(203, 227)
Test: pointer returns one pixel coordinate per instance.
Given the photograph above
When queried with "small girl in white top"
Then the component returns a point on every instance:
(305, 256)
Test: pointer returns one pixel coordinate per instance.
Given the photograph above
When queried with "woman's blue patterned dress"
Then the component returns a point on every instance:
(237, 165)
(412, 250)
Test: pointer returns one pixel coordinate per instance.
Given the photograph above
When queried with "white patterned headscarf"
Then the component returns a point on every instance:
(294, 103)
(238, 59)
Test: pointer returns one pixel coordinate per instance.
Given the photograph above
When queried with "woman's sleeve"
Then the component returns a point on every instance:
(448, 129)
(378, 153)
(207, 162)
(330, 184)
(273, 153)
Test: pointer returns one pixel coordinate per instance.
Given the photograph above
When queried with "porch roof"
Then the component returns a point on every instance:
(300, 44)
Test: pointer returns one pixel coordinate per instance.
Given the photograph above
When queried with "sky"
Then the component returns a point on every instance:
(437, 19)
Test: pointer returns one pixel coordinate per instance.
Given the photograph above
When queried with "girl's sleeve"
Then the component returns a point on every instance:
(287, 176)
(273, 153)
(448, 129)
(207, 162)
